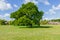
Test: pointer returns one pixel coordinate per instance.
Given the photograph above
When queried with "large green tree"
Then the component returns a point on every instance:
(27, 15)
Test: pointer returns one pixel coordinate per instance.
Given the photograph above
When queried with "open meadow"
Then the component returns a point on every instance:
(9, 32)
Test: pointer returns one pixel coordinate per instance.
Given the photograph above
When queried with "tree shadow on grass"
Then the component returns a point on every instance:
(35, 26)
(41, 27)
(45, 26)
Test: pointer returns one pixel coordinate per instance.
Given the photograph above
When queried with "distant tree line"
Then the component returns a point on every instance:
(55, 20)
(43, 22)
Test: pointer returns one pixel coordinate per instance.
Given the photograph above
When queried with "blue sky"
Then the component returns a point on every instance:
(51, 8)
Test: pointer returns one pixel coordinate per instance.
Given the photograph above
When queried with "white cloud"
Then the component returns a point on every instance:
(4, 16)
(4, 5)
(46, 2)
(1, 16)
(26, 1)
(46, 18)
(38, 1)
(53, 9)
(15, 5)
(2, 0)
(51, 12)
(56, 7)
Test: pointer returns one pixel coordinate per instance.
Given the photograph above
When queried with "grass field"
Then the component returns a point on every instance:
(15, 33)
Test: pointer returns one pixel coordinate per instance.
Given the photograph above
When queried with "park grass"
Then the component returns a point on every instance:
(10, 32)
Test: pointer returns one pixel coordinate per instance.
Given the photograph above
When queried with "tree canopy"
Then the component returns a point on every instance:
(27, 15)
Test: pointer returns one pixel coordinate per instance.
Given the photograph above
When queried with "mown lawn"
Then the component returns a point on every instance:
(8, 32)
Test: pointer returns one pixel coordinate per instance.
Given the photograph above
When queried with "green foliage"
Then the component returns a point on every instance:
(9, 22)
(27, 15)
(44, 22)
(2, 22)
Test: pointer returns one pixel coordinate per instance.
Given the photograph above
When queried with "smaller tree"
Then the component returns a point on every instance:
(43, 22)
(2, 22)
